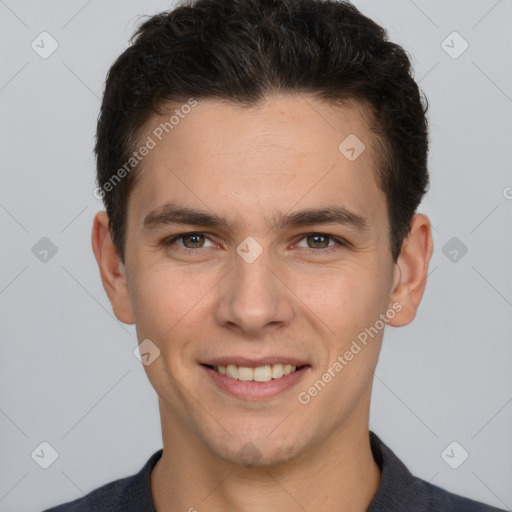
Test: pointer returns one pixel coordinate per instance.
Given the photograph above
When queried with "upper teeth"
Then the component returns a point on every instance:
(258, 374)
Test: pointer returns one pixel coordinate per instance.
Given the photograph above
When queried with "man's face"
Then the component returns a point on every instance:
(260, 291)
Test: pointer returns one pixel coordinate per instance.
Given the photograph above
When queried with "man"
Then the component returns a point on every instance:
(261, 163)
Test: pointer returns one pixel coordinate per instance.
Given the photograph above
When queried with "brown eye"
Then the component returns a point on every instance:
(188, 242)
(193, 240)
(318, 241)
(321, 243)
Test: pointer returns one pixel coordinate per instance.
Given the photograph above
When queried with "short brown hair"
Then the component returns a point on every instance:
(242, 50)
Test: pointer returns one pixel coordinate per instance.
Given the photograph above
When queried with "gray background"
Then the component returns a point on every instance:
(68, 374)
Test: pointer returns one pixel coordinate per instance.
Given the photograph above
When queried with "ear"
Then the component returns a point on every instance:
(411, 271)
(112, 270)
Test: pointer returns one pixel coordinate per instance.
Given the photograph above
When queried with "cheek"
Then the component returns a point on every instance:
(344, 298)
(160, 298)
(170, 308)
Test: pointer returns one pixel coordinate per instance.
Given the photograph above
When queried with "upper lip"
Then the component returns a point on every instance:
(254, 362)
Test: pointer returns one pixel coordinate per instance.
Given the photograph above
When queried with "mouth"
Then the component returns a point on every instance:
(251, 380)
(264, 373)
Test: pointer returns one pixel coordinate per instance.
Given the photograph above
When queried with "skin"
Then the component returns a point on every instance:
(202, 300)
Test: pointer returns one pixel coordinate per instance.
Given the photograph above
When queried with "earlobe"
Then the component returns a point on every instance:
(112, 270)
(411, 271)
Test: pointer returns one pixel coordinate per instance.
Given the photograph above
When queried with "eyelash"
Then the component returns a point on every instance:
(339, 242)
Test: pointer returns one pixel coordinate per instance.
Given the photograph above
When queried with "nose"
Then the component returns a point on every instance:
(254, 297)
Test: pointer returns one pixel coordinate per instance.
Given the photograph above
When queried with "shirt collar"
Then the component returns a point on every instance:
(398, 488)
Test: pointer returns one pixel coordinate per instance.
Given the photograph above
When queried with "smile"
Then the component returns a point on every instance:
(255, 382)
(259, 374)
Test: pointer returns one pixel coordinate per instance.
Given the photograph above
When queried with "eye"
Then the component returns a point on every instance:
(317, 241)
(190, 241)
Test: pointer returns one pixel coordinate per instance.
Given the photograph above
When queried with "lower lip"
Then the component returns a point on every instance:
(251, 390)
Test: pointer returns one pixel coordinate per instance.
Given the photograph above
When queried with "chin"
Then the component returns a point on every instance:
(258, 450)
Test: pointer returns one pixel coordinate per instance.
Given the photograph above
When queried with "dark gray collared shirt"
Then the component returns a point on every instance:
(399, 491)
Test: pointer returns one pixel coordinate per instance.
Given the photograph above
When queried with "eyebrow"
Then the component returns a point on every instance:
(173, 214)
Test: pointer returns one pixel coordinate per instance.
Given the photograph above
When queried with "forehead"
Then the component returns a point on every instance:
(288, 153)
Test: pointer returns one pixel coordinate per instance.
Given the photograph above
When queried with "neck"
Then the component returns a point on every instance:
(337, 474)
